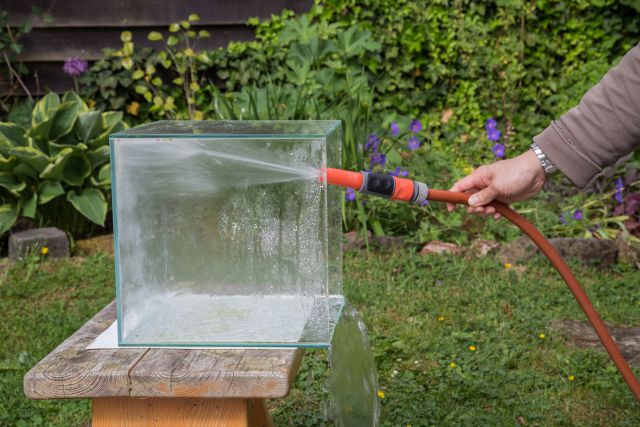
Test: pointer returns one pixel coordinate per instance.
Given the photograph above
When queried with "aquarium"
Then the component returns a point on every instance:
(225, 234)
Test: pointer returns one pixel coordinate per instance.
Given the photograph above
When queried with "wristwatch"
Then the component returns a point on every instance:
(546, 164)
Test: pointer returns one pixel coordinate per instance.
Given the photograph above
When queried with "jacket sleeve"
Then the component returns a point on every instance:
(604, 127)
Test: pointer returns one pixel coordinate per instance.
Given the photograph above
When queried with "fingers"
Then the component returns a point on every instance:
(483, 197)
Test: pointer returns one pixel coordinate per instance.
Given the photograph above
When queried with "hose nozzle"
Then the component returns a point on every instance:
(390, 187)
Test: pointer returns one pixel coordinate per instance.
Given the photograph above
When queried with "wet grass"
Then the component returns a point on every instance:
(423, 314)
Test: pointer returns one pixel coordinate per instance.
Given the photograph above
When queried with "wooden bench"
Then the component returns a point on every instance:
(163, 387)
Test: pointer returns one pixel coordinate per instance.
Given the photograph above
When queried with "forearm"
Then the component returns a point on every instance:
(604, 127)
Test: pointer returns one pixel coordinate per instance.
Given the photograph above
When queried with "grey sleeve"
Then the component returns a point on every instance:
(604, 127)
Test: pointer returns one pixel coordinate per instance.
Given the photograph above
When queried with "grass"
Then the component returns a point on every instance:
(423, 313)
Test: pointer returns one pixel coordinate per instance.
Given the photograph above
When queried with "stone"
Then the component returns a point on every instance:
(482, 248)
(589, 251)
(582, 335)
(438, 247)
(54, 239)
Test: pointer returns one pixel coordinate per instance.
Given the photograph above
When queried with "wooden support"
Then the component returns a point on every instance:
(179, 412)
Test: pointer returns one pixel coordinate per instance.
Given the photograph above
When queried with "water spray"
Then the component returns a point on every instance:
(407, 190)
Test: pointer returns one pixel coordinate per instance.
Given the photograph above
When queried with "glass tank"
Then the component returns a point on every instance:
(225, 234)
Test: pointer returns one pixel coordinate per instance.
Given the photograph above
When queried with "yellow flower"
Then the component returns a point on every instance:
(467, 170)
(472, 348)
(571, 378)
(507, 265)
(381, 394)
(440, 318)
(44, 250)
(133, 108)
(452, 365)
(198, 115)
(542, 336)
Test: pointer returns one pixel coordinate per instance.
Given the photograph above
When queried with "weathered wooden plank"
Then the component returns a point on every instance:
(123, 13)
(70, 371)
(252, 373)
(51, 44)
(160, 412)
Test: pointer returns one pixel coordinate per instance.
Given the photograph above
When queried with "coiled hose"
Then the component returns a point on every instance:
(402, 189)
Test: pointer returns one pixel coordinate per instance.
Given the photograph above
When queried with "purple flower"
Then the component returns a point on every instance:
(577, 215)
(399, 172)
(372, 143)
(424, 203)
(350, 195)
(619, 188)
(414, 143)
(490, 124)
(415, 126)
(498, 150)
(75, 66)
(493, 135)
(377, 159)
(563, 219)
(394, 129)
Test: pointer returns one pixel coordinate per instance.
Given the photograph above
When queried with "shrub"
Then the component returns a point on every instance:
(59, 166)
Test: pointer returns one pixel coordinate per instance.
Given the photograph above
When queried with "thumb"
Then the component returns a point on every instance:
(483, 197)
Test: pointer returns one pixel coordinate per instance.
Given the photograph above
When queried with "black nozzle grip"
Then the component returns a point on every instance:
(378, 184)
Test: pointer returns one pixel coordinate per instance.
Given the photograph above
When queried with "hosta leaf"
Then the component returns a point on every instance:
(41, 130)
(12, 183)
(8, 217)
(45, 108)
(73, 97)
(7, 163)
(76, 170)
(29, 207)
(26, 171)
(99, 156)
(29, 155)
(49, 190)
(64, 119)
(89, 125)
(55, 169)
(104, 175)
(90, 203)
(12, 135)
(55, 148)
(110, 119)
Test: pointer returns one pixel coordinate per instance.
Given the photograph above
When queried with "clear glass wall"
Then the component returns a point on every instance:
(225, 235)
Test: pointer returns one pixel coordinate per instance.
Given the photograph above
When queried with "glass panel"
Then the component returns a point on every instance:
(227, 239)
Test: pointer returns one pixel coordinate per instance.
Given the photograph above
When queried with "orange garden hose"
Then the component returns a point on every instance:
(397, 189)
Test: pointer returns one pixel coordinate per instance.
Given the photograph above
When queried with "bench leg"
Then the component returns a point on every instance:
(179, 412)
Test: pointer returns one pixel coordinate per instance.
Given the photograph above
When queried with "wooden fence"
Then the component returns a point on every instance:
(81, 28)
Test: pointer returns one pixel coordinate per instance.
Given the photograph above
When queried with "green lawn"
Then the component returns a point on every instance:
(423, 313)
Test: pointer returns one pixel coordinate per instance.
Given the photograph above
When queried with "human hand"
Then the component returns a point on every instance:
(508, 181)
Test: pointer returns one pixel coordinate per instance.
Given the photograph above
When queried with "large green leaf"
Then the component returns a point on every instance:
(89, 125)
(104, 177)
(64, 119)
(49, 190)
(90, 203)
(55, 169)
(99, 156)
(29, 155)
(25, 171)
(71, 96)
(12, 183)
(7, 163)
(55, 148)
(12, 135)
(110, 119)
(29, 207)
(76, 170)
(45, 108)
(40, 131)
(8, 217)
